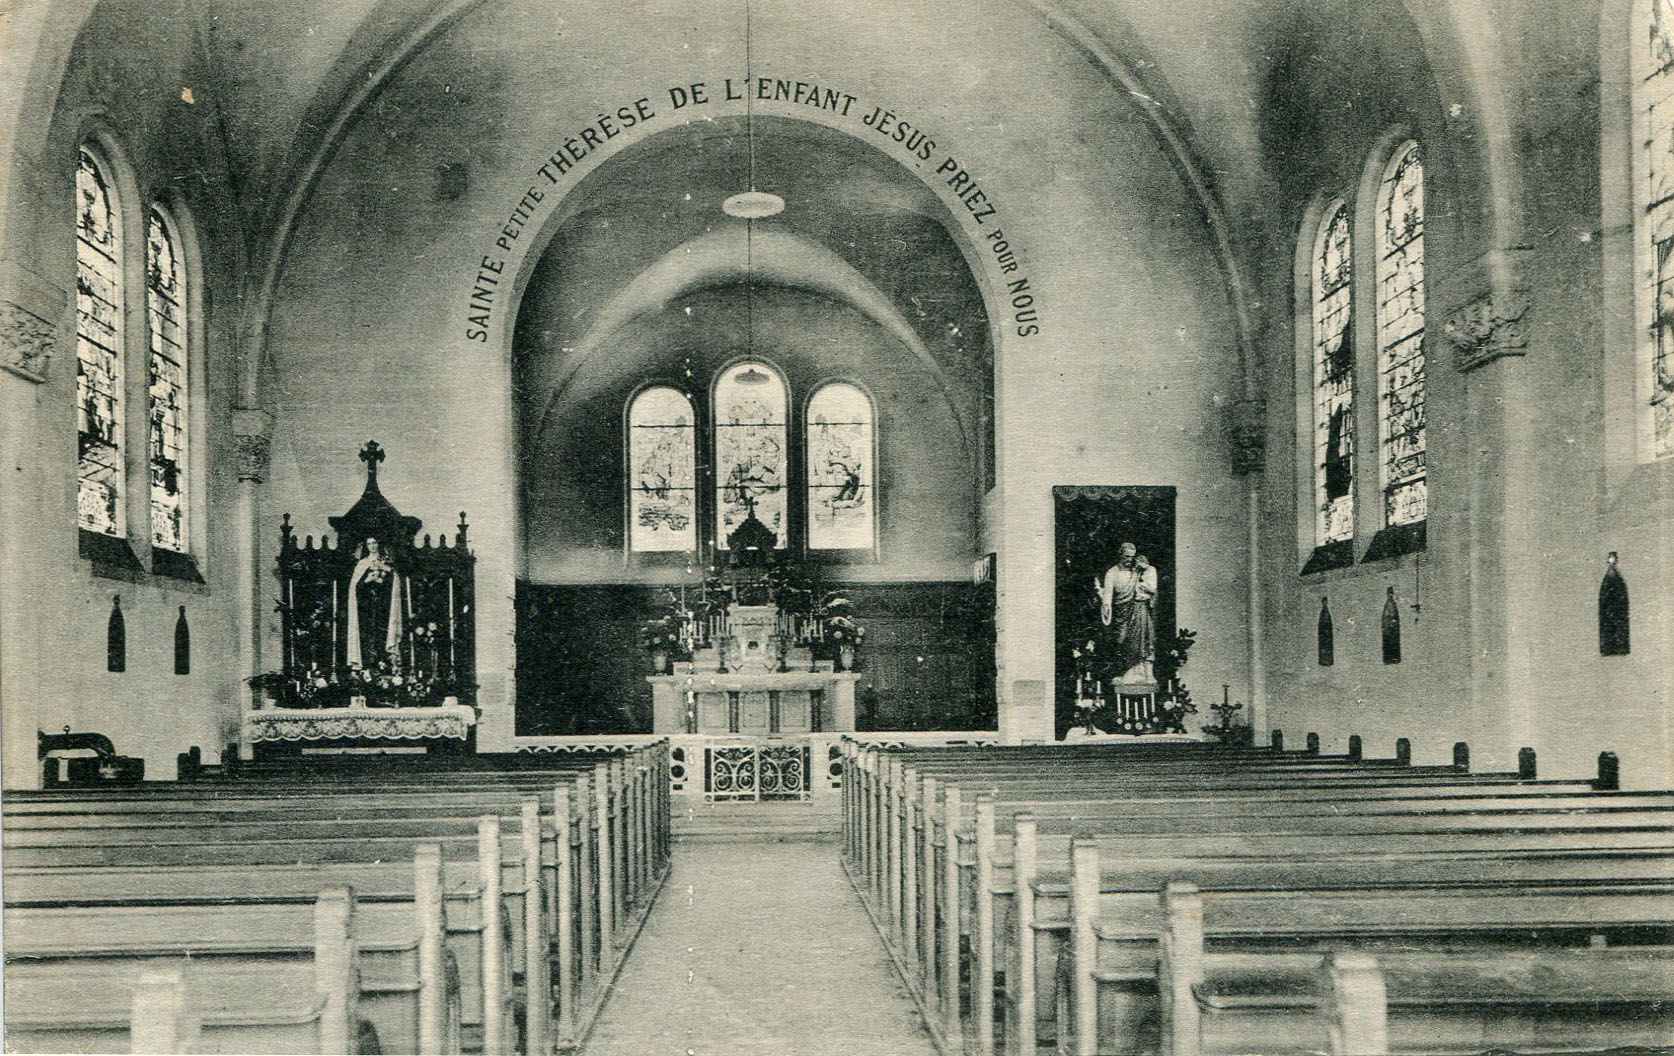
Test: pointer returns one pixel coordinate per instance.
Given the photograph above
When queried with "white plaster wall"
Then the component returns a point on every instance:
(124, 75)
(1127, 382)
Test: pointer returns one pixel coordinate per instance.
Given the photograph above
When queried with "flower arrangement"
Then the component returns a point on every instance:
(840, 635)
(379, 686)
(841, 630)
(1173, 701)
(662, 634)
(669, 633)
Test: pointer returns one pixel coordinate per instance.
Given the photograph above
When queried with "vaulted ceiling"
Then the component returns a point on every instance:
(290, 72)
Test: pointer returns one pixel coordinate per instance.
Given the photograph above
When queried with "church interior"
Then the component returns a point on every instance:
(1035, 517)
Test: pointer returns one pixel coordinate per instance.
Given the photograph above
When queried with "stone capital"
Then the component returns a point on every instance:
(27, 342)
(252, 430)
(1487, 328)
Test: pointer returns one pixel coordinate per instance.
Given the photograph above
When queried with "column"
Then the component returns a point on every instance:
(253, 443)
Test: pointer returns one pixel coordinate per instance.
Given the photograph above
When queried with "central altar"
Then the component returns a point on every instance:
(756, 655)
(755, 671)
(759, 703)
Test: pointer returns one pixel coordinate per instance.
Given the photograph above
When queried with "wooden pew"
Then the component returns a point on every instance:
(1574, 999)
(910, 900)
(1027, 932)
(1015, 932)
(502, 925)
(107, 1007)
(635, 809)
(496, 930)
(877, 850)
(449, 922)
(313, 1003)
(1498, 929)
(628, 804)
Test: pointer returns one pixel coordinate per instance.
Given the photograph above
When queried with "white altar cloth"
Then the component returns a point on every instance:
(449, 720)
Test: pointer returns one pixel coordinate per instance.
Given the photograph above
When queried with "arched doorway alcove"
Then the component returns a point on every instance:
(648, 281)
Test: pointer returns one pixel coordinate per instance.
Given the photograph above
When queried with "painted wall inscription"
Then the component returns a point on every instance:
(937, 167)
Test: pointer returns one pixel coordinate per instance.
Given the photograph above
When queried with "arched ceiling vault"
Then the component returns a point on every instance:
(771, 258)
(389, 33)
(295, 75)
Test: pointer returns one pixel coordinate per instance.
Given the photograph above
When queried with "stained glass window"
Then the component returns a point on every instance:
(1400, 330)
(1655, 224)
(99, 410)
(840, 481)
(1333, 301)
(749, 449)
(663, 476)
(167, 427)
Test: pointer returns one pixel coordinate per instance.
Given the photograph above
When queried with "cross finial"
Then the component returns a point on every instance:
(372, 454)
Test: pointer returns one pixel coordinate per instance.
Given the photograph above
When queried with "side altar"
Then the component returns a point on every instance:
(377, 644)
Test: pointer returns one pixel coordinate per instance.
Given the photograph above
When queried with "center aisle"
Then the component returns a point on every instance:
(758, 948)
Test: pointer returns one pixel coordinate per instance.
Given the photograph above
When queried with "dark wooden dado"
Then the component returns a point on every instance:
(928, 661)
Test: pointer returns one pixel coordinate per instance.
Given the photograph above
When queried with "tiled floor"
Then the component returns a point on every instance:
(758, 949)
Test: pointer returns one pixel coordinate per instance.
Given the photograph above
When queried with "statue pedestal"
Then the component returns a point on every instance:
(753, 702)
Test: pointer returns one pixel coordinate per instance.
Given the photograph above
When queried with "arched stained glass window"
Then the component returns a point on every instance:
(1400, 332)
(1654, 221)
(99, 409)
(841, 508)
(750, 459)
(662, 486)
(1333, 304)
(168, 425)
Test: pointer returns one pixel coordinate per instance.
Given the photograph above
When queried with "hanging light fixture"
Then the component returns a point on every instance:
(752, 204)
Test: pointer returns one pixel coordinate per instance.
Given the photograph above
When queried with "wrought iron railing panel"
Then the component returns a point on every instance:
(764, 771)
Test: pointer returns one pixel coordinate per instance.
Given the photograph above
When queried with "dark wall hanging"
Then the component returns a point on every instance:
(1391, 629)
(1613, 639)
(116, 638)
(1327, 635)
(182, 644)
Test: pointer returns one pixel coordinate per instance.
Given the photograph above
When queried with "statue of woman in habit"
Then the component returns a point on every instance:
(377, 609)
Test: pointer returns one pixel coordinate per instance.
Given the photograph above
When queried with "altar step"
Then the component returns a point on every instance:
(755, 823)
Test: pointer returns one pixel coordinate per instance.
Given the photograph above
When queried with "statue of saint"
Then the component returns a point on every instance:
(1127, 592)
(377, 609)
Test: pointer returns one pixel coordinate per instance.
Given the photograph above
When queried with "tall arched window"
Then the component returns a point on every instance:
(1654, 222)
(99, 381)
(662, 496)
(750, 412)
(840, 476)
(1333, 357)
(168, 428)
(1400, 335)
